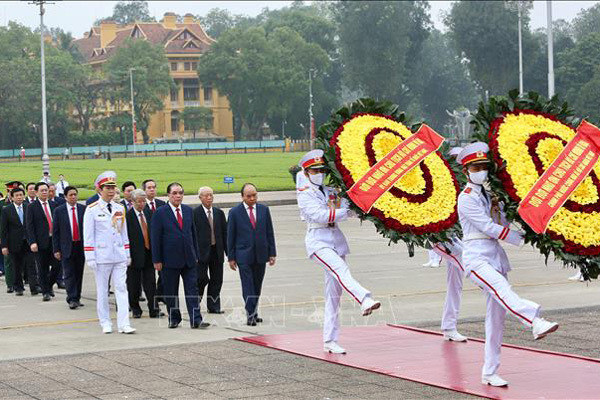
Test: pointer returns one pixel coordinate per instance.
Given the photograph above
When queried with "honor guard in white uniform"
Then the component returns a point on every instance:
(106, 248)
(322, 209)
(484, 225)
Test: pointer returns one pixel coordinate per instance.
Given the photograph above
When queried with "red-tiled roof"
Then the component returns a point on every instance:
(154, 32)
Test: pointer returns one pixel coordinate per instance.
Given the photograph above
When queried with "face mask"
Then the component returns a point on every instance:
(478, 177)
(316, 179)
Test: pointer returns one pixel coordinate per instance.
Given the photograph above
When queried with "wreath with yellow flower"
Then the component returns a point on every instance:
(420, 209)
(525, 135)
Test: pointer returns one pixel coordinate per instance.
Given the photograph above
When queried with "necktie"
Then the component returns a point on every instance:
(212, 228)
(109, 208)
(145, 231)
(252, 219)
(75, 234)
(20, 212)
(152, 206)
(62, 185)
(48, 217)
(129, 205)
(179, 219)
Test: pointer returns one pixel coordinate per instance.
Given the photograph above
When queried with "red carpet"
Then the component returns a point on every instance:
(422, 356)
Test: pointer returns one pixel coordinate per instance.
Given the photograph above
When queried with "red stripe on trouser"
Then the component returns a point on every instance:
(338, 278)
(452, 257)
(329, 218)
(499, 298)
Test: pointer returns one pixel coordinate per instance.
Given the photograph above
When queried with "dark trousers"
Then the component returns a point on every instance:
(170, 279)
(48, 269)
(146, 277)
(252, 276)
(73, 272)
(211, 274)
(9, 272)
(20, 261)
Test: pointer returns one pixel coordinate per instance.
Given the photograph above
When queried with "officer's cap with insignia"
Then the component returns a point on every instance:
(455, 151)
(312, 159)
(474, 153)
(13, 185)
(107, 178)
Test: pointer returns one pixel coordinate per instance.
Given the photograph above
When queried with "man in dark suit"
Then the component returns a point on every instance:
(52, 195)
(31, 194)
(38, 224)
(175, 253)
(211, 232)
(8, 268)
(141, 271)
(126, 189)
(250, 244)
(67, 243)
(14, 241)
(149, 186)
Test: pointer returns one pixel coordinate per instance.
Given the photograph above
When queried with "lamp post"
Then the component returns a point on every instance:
(310, 111)
(133, 127)
(519, 6)
(45, 157)
(550, 50)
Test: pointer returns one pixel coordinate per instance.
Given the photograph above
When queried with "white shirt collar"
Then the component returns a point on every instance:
(476, 188)
(206, 210)
(173, 207)
(247, 207)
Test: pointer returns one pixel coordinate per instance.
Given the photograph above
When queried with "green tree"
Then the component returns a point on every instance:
(217, 21)
(378, 41)
(151, 79)
(260, 73)
(197, 118)
(127, 12)
(586, 22)
(486, 33)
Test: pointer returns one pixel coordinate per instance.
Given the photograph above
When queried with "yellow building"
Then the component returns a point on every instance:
(184, 43)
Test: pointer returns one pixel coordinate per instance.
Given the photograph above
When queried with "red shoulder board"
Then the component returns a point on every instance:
(468, 190)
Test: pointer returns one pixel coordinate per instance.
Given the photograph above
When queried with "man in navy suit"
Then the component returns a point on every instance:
(38, 225)
(152, 203)
(250, 244)
(175, 253)
(67, 242)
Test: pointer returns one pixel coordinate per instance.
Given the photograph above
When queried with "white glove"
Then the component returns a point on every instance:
(91, 265)
(128, 261)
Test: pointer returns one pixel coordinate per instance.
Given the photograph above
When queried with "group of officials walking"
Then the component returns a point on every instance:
(47, 239)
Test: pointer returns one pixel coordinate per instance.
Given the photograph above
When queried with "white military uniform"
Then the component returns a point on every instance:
(487, 265)
(326, 245)
(106, 244)
(451, 252)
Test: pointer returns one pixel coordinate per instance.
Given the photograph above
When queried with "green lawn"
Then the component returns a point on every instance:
(267, 171)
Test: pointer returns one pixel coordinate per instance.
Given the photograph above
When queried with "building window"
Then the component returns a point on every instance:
(136, 33)
(173, 66)
(208, 95)
(175, 121)
(175, 94)
(186, 66)
(194, 66)
(191, 87)
(185, 35)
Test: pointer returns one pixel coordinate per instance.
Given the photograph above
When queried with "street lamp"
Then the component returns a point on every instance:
(45, 157)
(133, 127)
(550, 51)
(310, 112)
(520, 5)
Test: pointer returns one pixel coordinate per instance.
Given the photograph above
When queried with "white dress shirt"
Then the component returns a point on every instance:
(247, 207)
(70, 214)
(60, 187)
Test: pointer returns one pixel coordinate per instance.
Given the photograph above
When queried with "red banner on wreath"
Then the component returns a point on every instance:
(563, 176)
(382, 176)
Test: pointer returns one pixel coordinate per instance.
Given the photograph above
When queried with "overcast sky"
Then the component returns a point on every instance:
(78, 16)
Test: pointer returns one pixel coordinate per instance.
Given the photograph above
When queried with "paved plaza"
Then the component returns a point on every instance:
(49, 351)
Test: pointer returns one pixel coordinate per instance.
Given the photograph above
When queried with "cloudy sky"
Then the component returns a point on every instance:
(78, 16)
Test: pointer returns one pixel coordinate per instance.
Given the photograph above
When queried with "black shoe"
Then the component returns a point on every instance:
(73, 305)
(51, 292)
(259, 320)
(10, 290)
(18, 292)
(157, 314)
(46, 297)
(61, 285)
(251, 322)
(137, 314)
(142, 298)
(34, 292)
(173, 325)
(216, 312)
(201, 325)
(79, 304)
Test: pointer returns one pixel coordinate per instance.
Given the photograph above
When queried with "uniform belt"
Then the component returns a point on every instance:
(476, 236)
(316, 225)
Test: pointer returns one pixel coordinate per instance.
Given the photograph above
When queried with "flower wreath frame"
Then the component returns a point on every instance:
(485, 125)
(411, 237)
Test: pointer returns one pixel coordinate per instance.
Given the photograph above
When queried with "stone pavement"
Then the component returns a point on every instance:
(230, 369)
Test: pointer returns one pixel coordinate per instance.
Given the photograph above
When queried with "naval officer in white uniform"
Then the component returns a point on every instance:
(106, 248)
(322, 209)
(484, 225)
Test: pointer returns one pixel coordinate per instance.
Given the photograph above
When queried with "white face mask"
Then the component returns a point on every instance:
(316, 179)
(478, 177)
